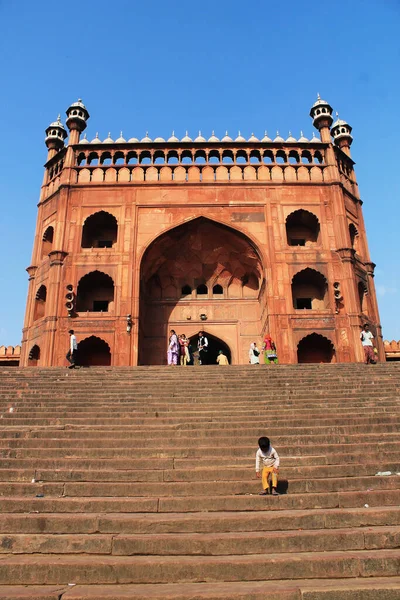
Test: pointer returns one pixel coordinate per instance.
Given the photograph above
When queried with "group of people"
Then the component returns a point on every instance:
(268, 351)
(180, 351)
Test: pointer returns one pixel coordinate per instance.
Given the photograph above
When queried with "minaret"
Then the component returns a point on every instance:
(77, 115)
(321, 114)
(55, 137)
(341, 132)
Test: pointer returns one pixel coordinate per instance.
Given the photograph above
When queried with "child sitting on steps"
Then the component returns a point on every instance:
(267, 456)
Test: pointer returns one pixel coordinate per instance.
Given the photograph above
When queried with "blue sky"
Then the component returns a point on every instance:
(210, 65)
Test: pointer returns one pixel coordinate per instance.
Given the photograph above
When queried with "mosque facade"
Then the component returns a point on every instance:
(235, 237)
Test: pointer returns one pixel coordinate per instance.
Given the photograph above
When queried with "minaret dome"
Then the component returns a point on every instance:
(55, 135)
(77, 115)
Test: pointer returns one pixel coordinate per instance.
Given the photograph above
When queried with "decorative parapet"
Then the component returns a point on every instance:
(10, 355)
(392, 350)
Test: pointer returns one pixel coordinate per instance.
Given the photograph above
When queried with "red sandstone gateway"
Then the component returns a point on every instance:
(235, 237)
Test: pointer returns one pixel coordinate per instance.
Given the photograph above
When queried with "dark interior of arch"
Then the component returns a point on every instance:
(34, 356)
(309, 290)
(100, 231)
(215, 344)
(93, 351)
(199, 253)
(95, 292)
(315, 348)
(302, 227)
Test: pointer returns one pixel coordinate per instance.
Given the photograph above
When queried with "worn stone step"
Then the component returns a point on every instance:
(213, 544)
(200, 522)
(54, 568)
(194, 504)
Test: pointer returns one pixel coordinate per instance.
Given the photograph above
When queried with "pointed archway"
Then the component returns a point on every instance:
(200, 270)
(315, 348)
(94, 351)
(215, 344)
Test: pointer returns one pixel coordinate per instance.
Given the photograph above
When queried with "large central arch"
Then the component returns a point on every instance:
(200, 271)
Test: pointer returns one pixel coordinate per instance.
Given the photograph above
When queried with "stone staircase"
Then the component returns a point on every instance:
(139, 483)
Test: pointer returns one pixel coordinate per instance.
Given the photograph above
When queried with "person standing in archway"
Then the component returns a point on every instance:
(173, 348)
(368, 344)
(73, 347)
(222, 359)
(202, 345)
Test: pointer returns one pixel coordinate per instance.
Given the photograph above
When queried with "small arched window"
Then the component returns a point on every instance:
(217, 290)
(47, 243)
(202, 289)
(186, 290)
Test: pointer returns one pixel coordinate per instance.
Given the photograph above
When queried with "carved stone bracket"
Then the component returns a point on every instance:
(370, 267)
(346, 254)
(57, 257)
(31, 270)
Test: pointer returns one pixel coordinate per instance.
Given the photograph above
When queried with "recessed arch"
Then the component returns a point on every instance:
(215, 344)
(95, 293)
(309, 290)
(100, 230)
(34, 356)
(93, 351)
(354, 237)
(40, 303)
(315, 348)
(363, 297)
(302, 228)
(47, 241)
(200, 253)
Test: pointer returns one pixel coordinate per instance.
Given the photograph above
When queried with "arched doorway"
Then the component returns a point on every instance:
(93, 351)
(215, 344)
(200, 271)
(315, 348)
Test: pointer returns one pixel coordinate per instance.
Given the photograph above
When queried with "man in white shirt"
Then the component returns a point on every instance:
(366, 338)
(73, 347)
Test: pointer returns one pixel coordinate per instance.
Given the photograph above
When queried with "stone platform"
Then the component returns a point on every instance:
(139, 483)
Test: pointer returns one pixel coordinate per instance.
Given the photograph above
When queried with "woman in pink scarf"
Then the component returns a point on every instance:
(173, 348)
(270, 356)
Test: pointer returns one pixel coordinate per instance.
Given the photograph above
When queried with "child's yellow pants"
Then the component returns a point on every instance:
(264, 477)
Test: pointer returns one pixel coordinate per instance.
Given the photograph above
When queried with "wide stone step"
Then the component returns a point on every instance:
(247, 502)
(307, 589)
(200, 522)
(213, 544)
(55, 568)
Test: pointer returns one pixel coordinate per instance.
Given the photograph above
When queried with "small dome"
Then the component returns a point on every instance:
(213, 138)
(146, 139)
(278, 138)
(173, 138)
(226, 138)
(314, 138)
(84, 140)
(57, 123)
(266, 138)
(253, 138)
(78, 104)
(200, 138)
(159, 139)
(120, 140)
(133, 140)
(320, 101)
(240, 138)
(96, 140)
(291, 139)
(186, 138)
(108, 139)
(302, 139)
(339, 122)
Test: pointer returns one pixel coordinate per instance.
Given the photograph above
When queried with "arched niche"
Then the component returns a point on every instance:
(100, 230)
(215, 344)
(34, 356)
(309, 290)
(47, 241)
(95, 293)
(302, 228)
(40, 303)
(93, 351)
(315, 348)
